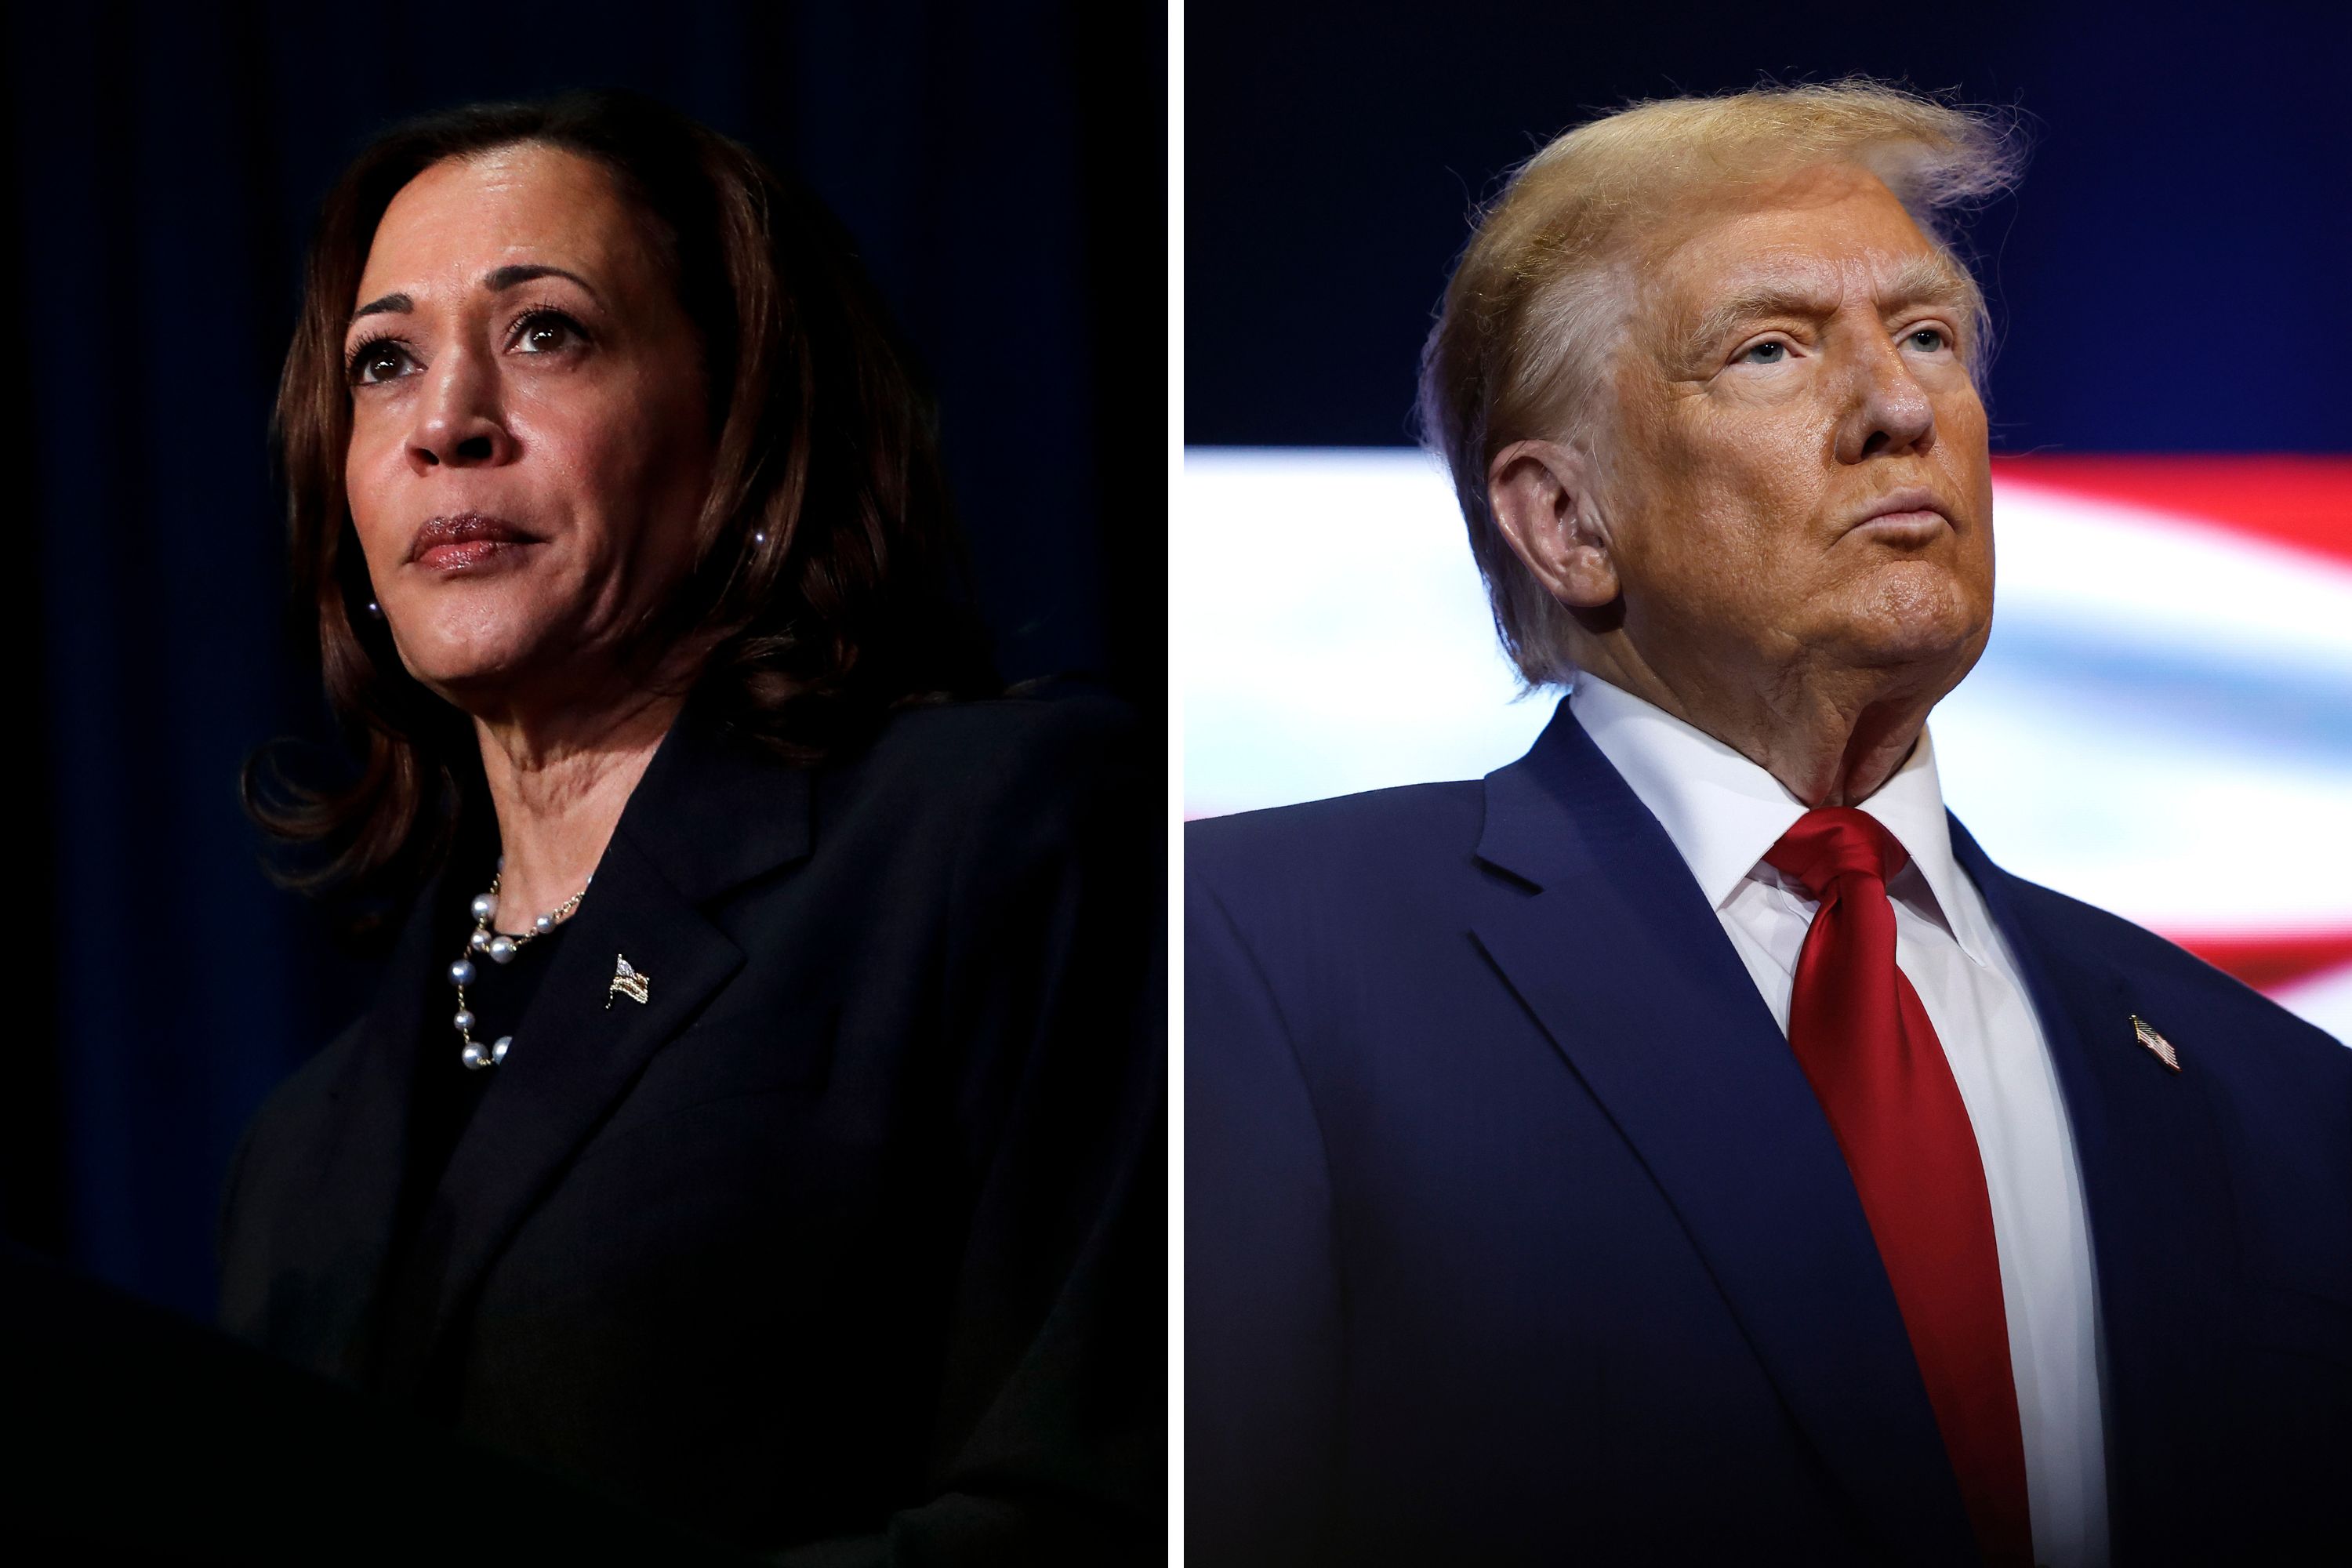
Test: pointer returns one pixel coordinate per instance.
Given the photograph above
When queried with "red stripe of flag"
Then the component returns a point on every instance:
(2265, 962)
(2304, 502)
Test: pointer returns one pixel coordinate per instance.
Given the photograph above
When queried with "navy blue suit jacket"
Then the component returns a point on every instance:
(1514, 1232)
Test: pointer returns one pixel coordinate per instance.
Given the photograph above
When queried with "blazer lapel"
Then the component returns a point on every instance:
(2156, 1188)
(1613, 948)
(707, 814)
(358, 1190)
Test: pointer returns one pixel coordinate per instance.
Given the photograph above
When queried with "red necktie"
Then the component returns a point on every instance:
(1866, 1044)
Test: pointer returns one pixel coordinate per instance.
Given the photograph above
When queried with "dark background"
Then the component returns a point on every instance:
(2170, 276)
(1001, 163)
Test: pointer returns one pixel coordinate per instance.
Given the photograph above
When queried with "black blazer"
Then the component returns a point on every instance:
(855, 1230)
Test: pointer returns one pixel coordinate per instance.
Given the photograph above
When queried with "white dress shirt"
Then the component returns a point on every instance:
(1724, 813)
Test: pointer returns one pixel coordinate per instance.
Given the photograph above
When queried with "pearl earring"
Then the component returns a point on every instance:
(376, 611)
(759, 538)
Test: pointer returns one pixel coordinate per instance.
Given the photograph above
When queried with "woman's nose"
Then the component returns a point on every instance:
(460, 422)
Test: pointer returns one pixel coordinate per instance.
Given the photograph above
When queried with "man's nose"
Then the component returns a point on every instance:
(1890, 411)
(460, 422)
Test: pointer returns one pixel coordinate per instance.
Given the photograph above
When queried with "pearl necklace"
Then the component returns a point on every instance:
(500, 948)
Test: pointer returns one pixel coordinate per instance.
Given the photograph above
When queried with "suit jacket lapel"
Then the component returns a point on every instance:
(2156, 1188)
(709, 814)
(1616, 953)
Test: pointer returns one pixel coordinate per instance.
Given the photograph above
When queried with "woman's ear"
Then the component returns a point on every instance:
(1540, 493)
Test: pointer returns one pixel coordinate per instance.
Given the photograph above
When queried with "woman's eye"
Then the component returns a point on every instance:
(1929, 340)
(546, 333)
(1771, 352)
(378, 362)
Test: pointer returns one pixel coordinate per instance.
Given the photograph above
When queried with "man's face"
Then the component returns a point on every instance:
(1800, 478)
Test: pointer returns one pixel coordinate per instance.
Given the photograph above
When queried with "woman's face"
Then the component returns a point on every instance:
(529, 434)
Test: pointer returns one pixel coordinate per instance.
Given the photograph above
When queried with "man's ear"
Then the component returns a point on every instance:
(1540, 493)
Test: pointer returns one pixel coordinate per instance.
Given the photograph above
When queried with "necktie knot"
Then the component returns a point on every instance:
(1835, 841)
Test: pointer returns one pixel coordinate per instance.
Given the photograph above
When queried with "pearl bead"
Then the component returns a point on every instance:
(543, 924)
(499, 1051)
(501, 950)
(484, 907)
(464, 1020)
(479, 942)
(474, 1056)
(461, 972)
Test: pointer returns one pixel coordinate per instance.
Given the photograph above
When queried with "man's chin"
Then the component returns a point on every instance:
(1916, 613)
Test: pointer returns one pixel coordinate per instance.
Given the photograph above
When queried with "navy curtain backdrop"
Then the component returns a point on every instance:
(1001, 165)
(2167, 279)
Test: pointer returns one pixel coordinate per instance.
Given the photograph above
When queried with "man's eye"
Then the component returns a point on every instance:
(1929, 340)
(376, 362)
(1771, 352)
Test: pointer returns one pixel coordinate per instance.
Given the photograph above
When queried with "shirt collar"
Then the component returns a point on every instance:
(1724, 813)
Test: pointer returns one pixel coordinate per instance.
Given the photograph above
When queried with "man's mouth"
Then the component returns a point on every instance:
(1903, 513)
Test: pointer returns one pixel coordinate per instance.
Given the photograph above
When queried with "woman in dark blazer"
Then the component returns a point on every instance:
(761, 1114)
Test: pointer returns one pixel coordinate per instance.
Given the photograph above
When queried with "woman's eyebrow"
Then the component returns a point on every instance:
(507, 277)
(399, 303)
(496, 282)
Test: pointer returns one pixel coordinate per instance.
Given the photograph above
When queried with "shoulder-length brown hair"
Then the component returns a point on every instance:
(829, 581)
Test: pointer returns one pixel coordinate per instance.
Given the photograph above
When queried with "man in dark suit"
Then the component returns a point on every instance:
(1686, 1145)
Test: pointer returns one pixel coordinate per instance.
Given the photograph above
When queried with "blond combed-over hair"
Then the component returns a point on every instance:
(1543, 291)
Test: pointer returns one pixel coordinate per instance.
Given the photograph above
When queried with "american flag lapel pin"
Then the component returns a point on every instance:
(2157, 1045)
(633, 984)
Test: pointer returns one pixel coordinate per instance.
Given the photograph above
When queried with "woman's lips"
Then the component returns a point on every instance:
(465, 540)
(466, 552)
